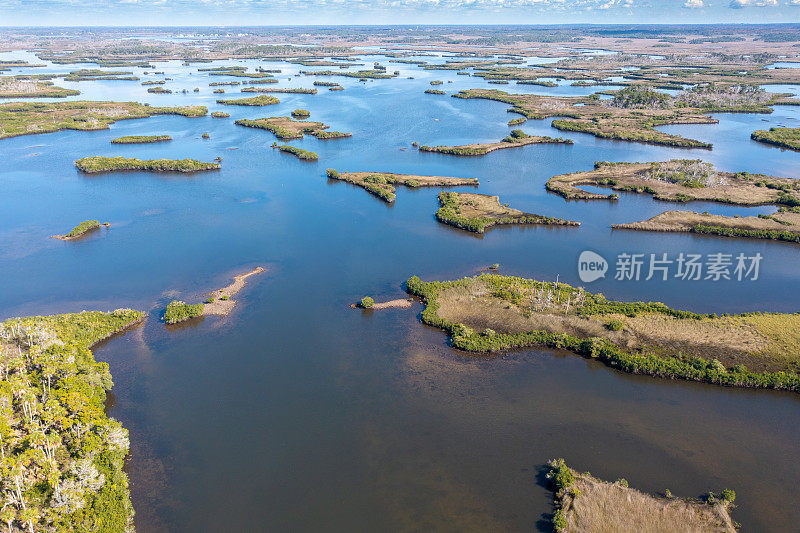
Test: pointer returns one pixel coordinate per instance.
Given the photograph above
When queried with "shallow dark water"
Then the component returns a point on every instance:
(298, 413)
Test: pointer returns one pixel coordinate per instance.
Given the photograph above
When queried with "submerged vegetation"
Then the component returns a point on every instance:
(95, 164)
(491, 312)
(476, 212)
(62, 456)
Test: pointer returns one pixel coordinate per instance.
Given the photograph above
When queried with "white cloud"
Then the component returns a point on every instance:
(738, 4)
(694, 4)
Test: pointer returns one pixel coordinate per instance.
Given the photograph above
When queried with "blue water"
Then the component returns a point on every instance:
(298, 413)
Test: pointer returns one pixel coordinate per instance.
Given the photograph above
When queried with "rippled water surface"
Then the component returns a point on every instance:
(298, 413)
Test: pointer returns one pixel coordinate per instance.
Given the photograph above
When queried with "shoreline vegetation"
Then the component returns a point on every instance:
(285, 128)
(299, 153)
(67, 459)
(681, 181)
(514, 139)
(633, 113)
(97, 164)
(22, 87)
(788, 138)
(81, 230)
(367, 303)
(678, 180)
(260, 100)
(585, 503)
(477, 212)
(383, 184)
(491, 313)
(141, 139)
(39, 117)
(217, 302)
(782, 226)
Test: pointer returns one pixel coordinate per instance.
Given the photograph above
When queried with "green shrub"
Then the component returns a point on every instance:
(367, 302)
(332, 173)
(178, 311)
(83, 227)
(301, 113)
(614, 325)
(728, 495)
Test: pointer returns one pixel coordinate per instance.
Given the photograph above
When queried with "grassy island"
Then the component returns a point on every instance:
(585, 503)
(80, 230)
(17, 87)
(32, 118)
(632, 114)
(516, 139)
(64, 455)
(782, 137)
(96, 74)
(220, 114)
(158, 89)
(277, 90)
(490, 313)
(781, 226)
(96, 164)
(252, 101)
(383, 184)
(141, 139)
(285, 128)
(301, 113)
(433, 91)
(299, 153)
(476, 212)
(678, 180)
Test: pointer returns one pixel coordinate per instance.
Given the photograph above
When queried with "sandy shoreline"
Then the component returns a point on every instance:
(400, 303)
(223, 307)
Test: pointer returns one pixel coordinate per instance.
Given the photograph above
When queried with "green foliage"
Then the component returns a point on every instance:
(559, 521)
(301, 113)
(178, 311)
(614, 325)
(639, 97)
(305, 155)
(560, 475)
(59, 447)
(220, 114)
(83, 227)
(141, 139)
(724, 231)
(636, 362)
(783, 137)
(728, 496)
(96, 164)
(434, 91)
(332, 173)
(44, 117)
(260, 100)
(366, 302)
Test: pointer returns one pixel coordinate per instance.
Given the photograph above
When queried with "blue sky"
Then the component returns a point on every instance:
(269, 12)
